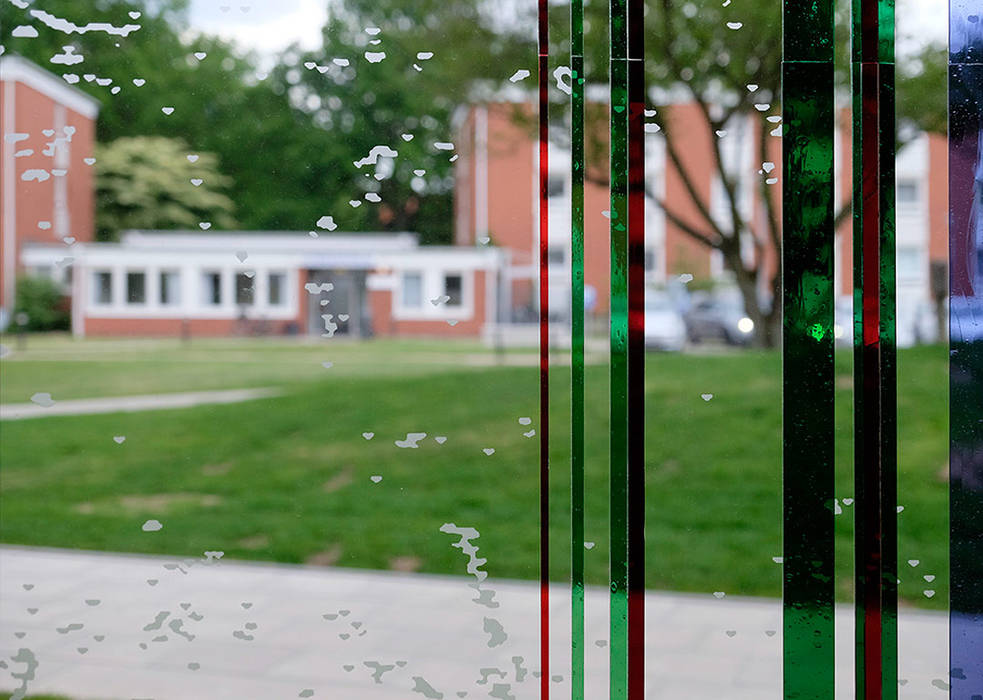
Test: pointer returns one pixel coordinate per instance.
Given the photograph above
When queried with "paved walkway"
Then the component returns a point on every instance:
(45, 406)
(127, 626)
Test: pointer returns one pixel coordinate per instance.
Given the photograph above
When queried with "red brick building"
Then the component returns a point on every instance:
(46, 178)
(497, 186)
(154, 283)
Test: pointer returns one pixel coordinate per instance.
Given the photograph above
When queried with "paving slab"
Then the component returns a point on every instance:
(129, 626)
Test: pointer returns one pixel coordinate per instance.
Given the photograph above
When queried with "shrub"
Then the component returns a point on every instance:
(45, 304)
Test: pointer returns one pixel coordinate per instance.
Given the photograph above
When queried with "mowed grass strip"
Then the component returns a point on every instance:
(289, 479)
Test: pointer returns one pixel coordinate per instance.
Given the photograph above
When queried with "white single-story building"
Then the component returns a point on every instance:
(227, 283)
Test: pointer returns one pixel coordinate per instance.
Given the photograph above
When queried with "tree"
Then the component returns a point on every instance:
(152, 182)
(220, 104)
(392, 73)
(711, 55)
(289, 140)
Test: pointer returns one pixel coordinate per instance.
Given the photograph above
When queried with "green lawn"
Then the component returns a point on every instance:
(117, 367)
(288, 479)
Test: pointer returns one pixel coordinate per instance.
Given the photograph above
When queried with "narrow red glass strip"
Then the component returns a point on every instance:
(544, 355)
(869, 555)
(636, 351)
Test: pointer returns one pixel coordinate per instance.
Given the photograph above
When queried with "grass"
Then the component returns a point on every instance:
(288, 479)
(119, 367)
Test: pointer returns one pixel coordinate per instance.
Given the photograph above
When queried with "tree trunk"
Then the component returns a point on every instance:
(765, 323)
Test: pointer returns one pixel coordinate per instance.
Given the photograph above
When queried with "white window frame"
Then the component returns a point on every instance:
(205, 291)
(400, 307)
(433, 279)
(284, 294)
(96, 288)
(159, 276)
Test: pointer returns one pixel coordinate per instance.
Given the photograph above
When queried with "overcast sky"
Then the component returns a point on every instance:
(270, 25)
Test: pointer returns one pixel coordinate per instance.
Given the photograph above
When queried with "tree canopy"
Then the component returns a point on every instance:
(392, 73)
(155, 182)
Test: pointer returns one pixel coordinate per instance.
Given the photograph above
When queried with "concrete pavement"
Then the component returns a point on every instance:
(128, 626)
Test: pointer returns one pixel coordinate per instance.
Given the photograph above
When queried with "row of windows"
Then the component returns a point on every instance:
(169, 288)
(412, 290)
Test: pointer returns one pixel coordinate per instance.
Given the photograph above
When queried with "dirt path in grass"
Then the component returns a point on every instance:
(44, 405)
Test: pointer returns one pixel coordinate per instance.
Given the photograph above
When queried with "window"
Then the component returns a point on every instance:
(453, 288)
(102, 288)
(244, 288)
(412, 290)
(909, 263)
(136, 288)
(557, 185)
(170, 288)
(212, 288)
(908, 193)
(276, 289)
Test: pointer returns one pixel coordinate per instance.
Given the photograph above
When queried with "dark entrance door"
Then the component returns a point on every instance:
(341, 311)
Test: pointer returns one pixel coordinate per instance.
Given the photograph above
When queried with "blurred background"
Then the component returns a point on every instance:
(253, 251)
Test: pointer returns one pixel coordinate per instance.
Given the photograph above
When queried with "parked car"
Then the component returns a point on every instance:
(966, 320)
(664, 326)
(719, 316)
(916, 323)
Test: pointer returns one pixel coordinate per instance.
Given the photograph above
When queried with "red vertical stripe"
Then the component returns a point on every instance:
(636, 349)
(871, 300)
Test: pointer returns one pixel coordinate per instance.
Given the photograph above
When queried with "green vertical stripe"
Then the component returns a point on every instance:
(619, 353)
(577, 82)
(889, 390)
(807, 350)
(807, 260)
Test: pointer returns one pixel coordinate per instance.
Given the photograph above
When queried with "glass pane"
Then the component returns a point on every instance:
(412, 290)
(170, 288)
(136, 288)
(277, 282)
(454, 289)
(244, 288)
(103, 288)
(211, 288)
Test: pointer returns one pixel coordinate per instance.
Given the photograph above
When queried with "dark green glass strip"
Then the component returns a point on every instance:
(577, 83)
(889, 389)
(808, 429)
(618, 644)
(807, 33)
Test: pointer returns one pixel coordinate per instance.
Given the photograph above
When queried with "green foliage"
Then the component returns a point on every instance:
(366, 104)
(286, 141)
(922, 90)
(148, 182)
(44, 303)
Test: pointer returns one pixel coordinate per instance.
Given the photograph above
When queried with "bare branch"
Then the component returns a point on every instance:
(699, 236)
